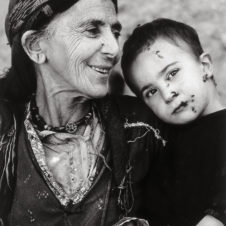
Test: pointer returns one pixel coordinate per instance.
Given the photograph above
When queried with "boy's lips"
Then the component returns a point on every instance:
(180, 107)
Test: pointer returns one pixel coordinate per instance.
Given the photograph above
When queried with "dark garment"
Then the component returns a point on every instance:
(35, 204)
(133, 137)
(188, 180)
(198, 163)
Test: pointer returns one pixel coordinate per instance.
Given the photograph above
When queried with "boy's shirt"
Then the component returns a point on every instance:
(197, 157)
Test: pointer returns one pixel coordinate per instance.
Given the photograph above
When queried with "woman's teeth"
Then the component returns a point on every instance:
(100, 70)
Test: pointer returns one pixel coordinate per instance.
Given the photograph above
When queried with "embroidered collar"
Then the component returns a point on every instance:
(40, 124)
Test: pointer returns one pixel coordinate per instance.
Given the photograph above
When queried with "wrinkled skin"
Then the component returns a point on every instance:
(80, 52)
(84, 36)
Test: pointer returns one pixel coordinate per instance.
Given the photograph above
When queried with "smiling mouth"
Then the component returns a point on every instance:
(180, 107)
(101, 70)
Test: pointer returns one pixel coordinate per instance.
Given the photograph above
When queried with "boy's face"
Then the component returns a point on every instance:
(170, 79)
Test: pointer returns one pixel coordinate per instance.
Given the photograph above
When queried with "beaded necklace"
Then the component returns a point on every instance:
(70, 127)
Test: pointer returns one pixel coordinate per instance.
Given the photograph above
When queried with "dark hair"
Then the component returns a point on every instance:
(145, 35)
(19, 82)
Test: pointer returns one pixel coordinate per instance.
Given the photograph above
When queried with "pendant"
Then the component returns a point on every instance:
(71, 127)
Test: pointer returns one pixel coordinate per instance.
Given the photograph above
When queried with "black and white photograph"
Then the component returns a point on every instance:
(112, 113)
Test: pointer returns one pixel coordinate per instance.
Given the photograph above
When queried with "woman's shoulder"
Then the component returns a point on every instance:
(7, 147)
(6, 116)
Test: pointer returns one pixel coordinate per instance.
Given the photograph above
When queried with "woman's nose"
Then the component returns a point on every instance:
(110, 46)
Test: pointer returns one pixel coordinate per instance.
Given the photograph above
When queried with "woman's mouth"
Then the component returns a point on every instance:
(100, 69)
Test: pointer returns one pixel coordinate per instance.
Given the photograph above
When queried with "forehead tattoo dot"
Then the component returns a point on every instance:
(175, 94)
(158, 54)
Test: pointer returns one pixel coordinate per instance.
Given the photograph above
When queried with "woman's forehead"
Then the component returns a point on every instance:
(90, 11)
(94, 7)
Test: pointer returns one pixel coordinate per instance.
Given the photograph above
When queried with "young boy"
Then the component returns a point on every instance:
(164, 64)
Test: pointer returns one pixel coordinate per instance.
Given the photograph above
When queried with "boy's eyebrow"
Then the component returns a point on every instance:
(167, 66)
(145, 87)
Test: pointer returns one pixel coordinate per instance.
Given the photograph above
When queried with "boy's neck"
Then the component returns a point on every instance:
(215, 103)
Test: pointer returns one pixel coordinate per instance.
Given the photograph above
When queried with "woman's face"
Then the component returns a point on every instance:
(83, 48)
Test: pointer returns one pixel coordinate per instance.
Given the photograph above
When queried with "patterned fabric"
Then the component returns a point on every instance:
(20, 11)
(27, 12)
(7, 145)
(132, 221)
(132, 135)
(68, 161)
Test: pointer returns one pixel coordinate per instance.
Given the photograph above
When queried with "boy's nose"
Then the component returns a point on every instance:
(169, 96)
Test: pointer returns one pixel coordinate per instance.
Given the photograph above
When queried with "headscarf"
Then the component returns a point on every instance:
(20, 81)
(27, 14)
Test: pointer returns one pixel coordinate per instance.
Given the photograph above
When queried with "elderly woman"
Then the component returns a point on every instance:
(69, 153)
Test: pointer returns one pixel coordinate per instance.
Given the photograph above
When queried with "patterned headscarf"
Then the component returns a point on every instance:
(31, 14)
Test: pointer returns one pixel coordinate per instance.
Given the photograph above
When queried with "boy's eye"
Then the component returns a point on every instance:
(171, 74)
(150, 93)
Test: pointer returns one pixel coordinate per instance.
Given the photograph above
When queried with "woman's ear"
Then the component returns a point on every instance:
(32, 47)
(207, 65)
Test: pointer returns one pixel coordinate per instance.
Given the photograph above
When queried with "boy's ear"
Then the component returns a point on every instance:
(207, 65)
(32, 47)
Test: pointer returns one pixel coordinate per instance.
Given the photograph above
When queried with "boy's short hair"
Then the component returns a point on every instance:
(145, 35)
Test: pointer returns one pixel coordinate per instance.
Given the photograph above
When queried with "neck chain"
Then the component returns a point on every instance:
(70, 127)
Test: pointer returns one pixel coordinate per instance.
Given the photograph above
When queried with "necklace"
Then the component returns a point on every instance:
(70, 127)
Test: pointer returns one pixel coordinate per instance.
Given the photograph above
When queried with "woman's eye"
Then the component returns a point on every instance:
(116, 33)
(171, 74)
(150, 93)
(93, 32)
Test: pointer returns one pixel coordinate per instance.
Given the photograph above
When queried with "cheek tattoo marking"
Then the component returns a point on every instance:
(193, 109)
(192, 98)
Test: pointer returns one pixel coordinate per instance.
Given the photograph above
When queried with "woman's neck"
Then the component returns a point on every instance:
(58, 104)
